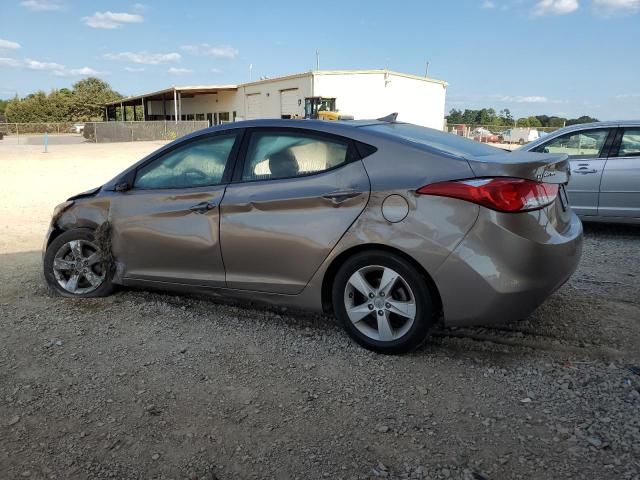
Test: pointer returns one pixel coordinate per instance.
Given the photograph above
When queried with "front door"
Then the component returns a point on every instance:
(166, 227)
(294, 198)
(587, 155)
(620, 186)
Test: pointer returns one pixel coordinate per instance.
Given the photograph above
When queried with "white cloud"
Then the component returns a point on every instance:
(134, 69)
(179, 71)
(111, 20)
(76, 72)
(42, 5)
(555, 7)
(215, 70)
(56, 68)
(525, 99)
(628, 95)
(612, 7)
(139, 7)
(8, 45)
(9, 62)
(38, 65)
(144, 58)
(217, 51)
(488, 4)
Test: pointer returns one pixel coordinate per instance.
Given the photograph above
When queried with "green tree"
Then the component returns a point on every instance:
(534, 122)
(583, 119)
(505, 117)
(522, 122)
(557, 122)
(455, 116)
(89, 97)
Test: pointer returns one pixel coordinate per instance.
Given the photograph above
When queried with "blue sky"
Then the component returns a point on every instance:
(558, 57)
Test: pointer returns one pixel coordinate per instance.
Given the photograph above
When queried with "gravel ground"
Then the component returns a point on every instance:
(155, 386)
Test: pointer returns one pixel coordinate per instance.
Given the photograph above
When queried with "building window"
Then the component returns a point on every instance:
(234, 116)
(199, 116)
(223, 116)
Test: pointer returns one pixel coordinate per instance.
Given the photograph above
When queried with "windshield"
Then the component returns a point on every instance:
(446, 142)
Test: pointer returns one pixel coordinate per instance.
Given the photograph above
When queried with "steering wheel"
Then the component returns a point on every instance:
(198, 174)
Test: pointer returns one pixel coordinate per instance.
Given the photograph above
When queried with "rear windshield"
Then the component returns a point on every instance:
(446, 142)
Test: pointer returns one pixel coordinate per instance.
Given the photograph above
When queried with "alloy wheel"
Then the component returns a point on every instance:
(380, 303)
(77, 267)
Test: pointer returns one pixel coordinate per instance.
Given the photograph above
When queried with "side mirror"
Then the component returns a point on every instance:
(122, 187)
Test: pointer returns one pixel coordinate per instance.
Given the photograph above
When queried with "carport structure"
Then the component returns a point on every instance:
(167, 104)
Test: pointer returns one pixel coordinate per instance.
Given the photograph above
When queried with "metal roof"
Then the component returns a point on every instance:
(185, 91)
(191, 90)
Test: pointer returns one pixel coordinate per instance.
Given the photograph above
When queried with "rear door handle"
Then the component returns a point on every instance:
(341, 196)
(202, 207)
(585, 170)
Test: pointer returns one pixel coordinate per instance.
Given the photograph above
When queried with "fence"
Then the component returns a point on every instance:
(499, 134)
(97, 132)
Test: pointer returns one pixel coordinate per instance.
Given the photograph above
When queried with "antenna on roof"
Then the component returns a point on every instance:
(317, 59)
(426, 70)
(389, 118)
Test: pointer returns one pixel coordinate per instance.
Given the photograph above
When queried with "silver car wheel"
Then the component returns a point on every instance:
(77, 267)
(380, 303)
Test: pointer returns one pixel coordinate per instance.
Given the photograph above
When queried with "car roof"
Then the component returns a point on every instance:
(581, 126)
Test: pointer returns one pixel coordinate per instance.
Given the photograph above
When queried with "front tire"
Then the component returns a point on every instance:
(74, 266)
(383, 302)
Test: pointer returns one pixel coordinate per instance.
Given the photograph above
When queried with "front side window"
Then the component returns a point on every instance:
(274, 155)
(196, 164)
(630, 143)
(583, 144)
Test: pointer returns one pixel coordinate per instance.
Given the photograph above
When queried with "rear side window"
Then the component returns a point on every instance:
(273, 155)
(581, 144)
(196, 164)
(630, 143)
(446, 142)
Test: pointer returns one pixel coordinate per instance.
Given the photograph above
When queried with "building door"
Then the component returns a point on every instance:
(289, 204)
(253, 106)
(289, 103)
(210, 119)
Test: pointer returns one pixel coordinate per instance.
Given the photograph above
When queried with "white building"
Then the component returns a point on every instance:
(361, 94)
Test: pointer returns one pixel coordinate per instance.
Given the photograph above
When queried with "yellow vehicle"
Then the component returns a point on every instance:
(322, 108)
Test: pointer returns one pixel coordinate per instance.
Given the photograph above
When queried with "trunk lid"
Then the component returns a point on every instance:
(540, 167)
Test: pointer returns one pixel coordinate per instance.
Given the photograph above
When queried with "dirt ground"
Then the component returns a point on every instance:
(156, 386)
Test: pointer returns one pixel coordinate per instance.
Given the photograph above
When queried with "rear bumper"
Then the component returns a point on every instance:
(507, 266)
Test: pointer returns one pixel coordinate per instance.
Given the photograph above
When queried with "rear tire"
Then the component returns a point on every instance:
(383, 302)
(74, 266)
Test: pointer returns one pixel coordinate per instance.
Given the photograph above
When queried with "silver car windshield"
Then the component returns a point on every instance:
(445, 142)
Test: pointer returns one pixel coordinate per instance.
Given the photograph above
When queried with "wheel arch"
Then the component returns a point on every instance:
(330, 273)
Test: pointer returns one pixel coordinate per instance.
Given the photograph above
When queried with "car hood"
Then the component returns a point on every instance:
(87, 193)
(540, 167)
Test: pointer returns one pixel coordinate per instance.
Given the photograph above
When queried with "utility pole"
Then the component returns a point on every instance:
(317, 59)
(250, 70)
(426, 70)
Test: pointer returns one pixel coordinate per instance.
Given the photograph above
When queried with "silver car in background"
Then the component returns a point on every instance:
(605, 168)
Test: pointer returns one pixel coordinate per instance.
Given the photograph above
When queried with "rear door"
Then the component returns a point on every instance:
(254, 106)
(620, 186)
(289, 106)
(166, 227)
(587, 150)
(294, 196)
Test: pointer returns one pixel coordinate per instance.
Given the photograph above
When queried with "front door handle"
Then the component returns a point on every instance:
(341, 196)
(584, 170)
(202, 207)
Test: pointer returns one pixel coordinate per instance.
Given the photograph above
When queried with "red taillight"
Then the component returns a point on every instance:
(502, 193)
